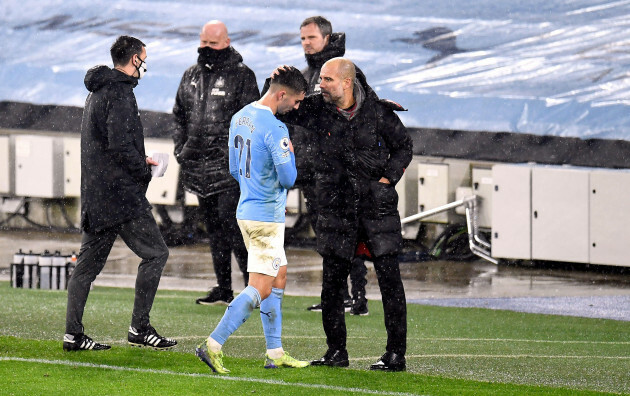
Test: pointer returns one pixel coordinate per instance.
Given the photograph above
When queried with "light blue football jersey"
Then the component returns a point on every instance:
(261, 162)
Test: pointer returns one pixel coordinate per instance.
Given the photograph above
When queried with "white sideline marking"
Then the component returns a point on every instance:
(211, 376)
(526, 340)
(515, 356)
(323, 337)
(453, 339)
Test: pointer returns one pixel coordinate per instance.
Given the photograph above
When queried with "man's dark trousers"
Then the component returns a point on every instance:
(358, 271)
(143, 237)
(219, 214)
(336, 270)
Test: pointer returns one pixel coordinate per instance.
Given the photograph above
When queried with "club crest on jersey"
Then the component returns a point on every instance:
(284, 143)
(216, 90)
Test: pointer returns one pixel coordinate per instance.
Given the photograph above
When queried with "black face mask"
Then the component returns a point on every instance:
(210, 56)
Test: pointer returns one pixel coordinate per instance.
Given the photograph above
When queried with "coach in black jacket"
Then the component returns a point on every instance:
(209, 94)
(115, 174)
(362, 152)
(320, 45)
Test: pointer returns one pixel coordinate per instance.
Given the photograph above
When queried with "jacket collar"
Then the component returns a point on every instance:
(362, 93)
(99, 76)
(225, 56)
(124, 78)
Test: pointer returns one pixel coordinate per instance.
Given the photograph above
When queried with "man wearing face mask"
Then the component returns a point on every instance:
(209, 94)
(115, 174)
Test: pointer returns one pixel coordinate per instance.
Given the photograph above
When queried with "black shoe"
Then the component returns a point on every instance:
(390, 361)
(81, 342)
(149, 338)
(347, 306)
(333, 358)
(217, 296)
(360, 307)
(315, 308)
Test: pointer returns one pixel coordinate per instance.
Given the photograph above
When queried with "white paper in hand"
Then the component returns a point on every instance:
(160, 169)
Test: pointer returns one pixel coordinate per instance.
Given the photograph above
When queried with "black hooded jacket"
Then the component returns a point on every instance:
(207, 98)
(114, 172)
(302, 138)
(351, 155)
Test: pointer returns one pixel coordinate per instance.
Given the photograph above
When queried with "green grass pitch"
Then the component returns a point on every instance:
(451, 351)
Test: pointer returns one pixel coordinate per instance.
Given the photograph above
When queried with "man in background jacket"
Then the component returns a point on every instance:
(209, 94)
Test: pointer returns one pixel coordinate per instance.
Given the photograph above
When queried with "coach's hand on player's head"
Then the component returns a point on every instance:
(276, 71)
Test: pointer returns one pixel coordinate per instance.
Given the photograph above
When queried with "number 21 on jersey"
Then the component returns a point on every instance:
(240, 144)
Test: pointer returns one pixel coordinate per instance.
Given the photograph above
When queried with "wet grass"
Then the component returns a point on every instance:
(450, 351)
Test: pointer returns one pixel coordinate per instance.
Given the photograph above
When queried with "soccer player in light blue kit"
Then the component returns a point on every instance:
(262, 160)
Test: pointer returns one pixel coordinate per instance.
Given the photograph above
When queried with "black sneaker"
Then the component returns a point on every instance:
(315, 308)
(360, 307)
(81, 342)
(149, 338)
(217, 296)
(347, 306)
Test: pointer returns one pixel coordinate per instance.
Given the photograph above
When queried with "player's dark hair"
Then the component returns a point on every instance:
(124, 48)
(290, 78)
(324, 25)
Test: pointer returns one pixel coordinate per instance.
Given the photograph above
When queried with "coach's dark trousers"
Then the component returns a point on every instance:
(143, 237)
(336, 272)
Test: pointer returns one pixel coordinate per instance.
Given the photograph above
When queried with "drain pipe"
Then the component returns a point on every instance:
(477, 245)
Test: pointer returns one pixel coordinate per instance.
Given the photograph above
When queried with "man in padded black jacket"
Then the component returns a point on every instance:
(362, 151)
(320, 44)
(115, 174)
(209, 94)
